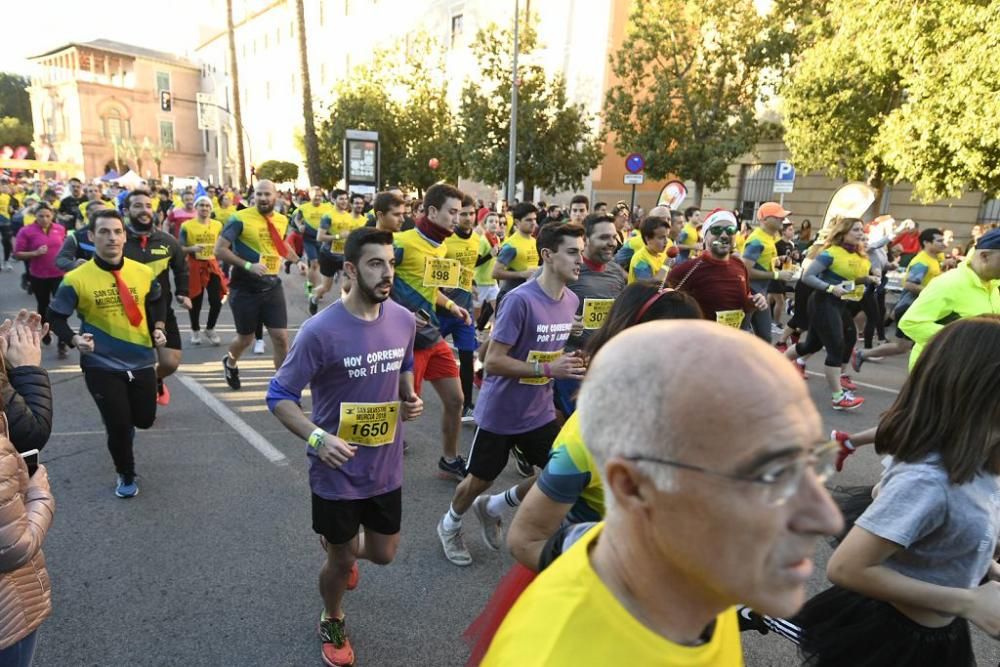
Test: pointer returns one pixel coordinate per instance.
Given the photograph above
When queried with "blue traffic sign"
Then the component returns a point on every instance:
(784, 177)
(635, 163)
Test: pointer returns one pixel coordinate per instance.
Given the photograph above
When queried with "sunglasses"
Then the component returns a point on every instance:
(719, 230)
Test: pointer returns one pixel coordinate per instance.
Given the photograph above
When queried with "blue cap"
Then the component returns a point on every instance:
(989, 241)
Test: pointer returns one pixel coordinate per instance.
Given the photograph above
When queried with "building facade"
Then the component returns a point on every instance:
(112, 106)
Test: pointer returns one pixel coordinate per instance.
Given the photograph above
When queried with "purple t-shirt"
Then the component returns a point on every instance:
(31, 237)
(346, 360)
(531, 322)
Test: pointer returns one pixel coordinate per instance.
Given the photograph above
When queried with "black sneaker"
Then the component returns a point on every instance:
(524, 467)
(454, 469)
(313, 305)
(232, 374)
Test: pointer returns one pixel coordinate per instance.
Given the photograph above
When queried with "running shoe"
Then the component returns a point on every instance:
(847, 383)
(232, 373)
(213, 337)
(845, 449)
(453, 470)
(491, 526)
(777, 330)
(857, 359)
(63, 353)
(454, 546)
(162, 394)
(847, 401)
(196, 338)
(467, 417)
(524, 467)
(801, 368)
(126, 487)
(258, 346)
(781, 346)
(47, 339)
(336, 649)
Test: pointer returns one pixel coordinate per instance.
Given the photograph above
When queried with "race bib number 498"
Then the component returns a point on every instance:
(440, 272)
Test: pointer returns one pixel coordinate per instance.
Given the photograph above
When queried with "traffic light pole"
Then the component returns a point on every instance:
(239, 126)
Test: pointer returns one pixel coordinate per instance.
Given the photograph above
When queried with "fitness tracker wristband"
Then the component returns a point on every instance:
(247, 266)
(316, 438)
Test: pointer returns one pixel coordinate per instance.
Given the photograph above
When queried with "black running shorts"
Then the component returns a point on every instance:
(338, 520)
(253, 308)
(172, 332)
(489, 453)
(330, 265)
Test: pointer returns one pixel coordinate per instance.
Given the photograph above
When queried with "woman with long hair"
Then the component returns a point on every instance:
(909, 575)
(838, 276)
(568, 496)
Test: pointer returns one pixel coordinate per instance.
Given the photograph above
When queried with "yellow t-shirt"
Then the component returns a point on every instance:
(567, 617)
(525, 253)
(5, 204)
(223, 213)
(645, 265)
(204, 234)
(313, 215)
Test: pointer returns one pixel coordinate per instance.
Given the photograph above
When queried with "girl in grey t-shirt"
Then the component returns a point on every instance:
(919, 563)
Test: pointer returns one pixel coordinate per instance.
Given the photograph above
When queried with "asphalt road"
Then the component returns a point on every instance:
(215, 562)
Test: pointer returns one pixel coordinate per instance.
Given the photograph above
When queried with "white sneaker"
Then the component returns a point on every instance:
(196, 338)
(258, 346)
(454, 546)
(491, 526)
(212, 337)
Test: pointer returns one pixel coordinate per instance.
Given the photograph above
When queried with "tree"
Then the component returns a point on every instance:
(309, 131)
(14, 99)
(690, 75)
(278, 171)
(234, 71)
(557, 144)
(13, 132)
(920, 107)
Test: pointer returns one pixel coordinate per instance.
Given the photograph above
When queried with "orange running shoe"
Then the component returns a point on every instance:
(162, 394)
(335, 648)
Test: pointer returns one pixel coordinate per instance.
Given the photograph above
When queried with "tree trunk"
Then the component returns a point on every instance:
(529, 191)
(699, 192)
(237, 111)
(309, 133)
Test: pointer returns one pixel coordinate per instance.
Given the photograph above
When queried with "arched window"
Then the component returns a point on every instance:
(115, 125)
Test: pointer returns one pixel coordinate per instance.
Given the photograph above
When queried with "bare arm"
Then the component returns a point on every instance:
(499, 362)
(334, 452)
(501, 272)
(534, 523)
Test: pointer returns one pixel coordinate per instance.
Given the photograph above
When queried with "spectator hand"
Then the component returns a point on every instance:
(22, 343)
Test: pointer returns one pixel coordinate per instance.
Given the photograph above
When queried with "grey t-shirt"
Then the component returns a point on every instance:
(949, 531)
(606, 284)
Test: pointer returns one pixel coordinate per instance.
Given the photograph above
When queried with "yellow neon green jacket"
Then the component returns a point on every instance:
(952, 295)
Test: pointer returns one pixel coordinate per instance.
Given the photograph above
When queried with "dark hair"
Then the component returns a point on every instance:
(359, 238)
(676, 214)
(386, 200)
(75, 180)
(551, 235)
(625, 312)
(690, 211)
(439, 193)
(927, 236)
(43, 206)
(357, 195)
(580, 199)
(519, 211)
(651, 224)
(959, 368)
(337, 192)
(600, 204)
(468, 201)
(135, 193)
(593, 220)
(806, 224)
(106, 213)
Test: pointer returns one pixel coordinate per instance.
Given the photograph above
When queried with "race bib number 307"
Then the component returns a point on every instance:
(595, 311)
(368, 424)
(439, 272)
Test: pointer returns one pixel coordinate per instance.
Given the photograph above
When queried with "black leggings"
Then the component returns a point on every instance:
(5, 238)
(214, 289)
(830, 326)
(466, 368)
(127, 400)
(874, 304)
(44, 289)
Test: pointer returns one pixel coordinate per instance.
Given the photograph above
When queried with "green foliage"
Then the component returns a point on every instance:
(557, 146)
(278, 171)
(690, 76)
(14, 133)
(403, 97)
(895, 95)
(14, 99)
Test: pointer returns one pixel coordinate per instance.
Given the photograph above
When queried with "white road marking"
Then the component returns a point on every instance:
(887, 390)
(255, 439)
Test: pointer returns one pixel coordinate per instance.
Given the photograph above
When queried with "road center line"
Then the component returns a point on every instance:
(258, 441)
(862, 384)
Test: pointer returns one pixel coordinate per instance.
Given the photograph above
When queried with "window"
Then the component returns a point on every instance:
(990, 211)
(756, 184)
(167, 134)
(456, 29)
(115, 127)
(162, 81)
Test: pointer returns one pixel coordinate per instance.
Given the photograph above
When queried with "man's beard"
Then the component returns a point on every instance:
(717, 253)
(141, 222)
(369, 290)
(265, 207)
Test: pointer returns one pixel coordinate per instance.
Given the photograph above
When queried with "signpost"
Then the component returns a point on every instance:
(784, 179)
(634, 164)
(362, 161)
(207, 115)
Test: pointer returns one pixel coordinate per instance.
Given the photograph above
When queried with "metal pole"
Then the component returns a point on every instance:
(631, 208)
(781, 199)
(511, 183)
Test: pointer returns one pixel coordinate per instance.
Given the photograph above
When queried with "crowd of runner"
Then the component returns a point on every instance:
(650, 537)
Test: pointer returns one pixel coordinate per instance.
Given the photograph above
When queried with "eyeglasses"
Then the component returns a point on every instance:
(720, 230)
(780, 480)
